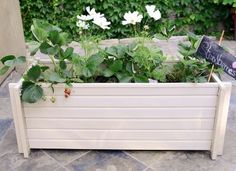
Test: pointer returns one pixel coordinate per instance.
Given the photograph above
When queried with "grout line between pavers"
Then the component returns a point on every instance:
(77, 157)
(54, 160)
(127, 153)
(146, 169)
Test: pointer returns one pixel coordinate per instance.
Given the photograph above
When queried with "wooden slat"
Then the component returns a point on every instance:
(135, 85)
(110, 124)
(119, 134)
(134, 91)
(129, 101)
(95, 113)
(118, 145)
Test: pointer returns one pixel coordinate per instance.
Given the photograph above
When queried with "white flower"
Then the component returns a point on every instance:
(82, 24)
(84, 17)
(93, 14)
(102, 22)
(146, 27)
(152, 13)
(132, 18)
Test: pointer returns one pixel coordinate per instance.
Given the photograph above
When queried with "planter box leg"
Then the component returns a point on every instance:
(221, 120)
(20, 128)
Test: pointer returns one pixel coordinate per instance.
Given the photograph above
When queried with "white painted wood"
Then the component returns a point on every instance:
(19, 117)
(128, 101)
(221, 118)
(131, 113)
(224, 116)
(178, 116)
(11, 30)
(134, 91)
(129, 124)
(76, 134)
(12, 89)
(125, 145)
(137, 85)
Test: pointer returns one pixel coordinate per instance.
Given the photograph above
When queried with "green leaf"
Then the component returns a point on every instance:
(124, 78)
(10, 63)
(87, 72)
(16, 61)
(32, 93)
(63, 39)
(108, 73)
(4, 69)
(129, 67)
(140, 79)
(20, 60)
(39, 33)
(44, 68)
(121, 50)
(45, 25)
(54, 37)
(164, 31)
(7, 58)
(202, 80)
(33, 47)
(161, 36)
(68, 53)
(95, 60)
(116, 66)
(48, 49)
(62, 65)
(34, 73)
(26, 84)
(197, 43)
(53, 77)
(111, 51)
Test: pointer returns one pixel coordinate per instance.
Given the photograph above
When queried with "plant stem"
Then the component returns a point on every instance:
(53, 61)
(135, 31)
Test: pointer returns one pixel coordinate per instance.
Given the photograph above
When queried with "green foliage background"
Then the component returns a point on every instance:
(199, 16)
(227, 2)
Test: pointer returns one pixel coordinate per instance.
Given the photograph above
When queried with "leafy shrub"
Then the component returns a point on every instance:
(226, 2)
(187, 15)
(133, 63)
(192, 68)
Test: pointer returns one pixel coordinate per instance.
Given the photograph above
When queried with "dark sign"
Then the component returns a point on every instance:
(215, 54)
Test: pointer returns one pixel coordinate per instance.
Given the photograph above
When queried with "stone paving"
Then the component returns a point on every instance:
(104, 160)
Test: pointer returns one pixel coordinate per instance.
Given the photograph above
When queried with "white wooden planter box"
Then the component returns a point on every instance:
(145, 116)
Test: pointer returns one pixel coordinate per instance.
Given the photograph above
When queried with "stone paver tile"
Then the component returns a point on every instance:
(4, 92)
(12, 78)
(11, 160)
(105, 160)
(231, 123)
(219, 166)
(148, 169)
(229, 153)
(4, 125)
(65, 156)
(62, 169)
(38, 161)
(9, 144)
(154, 158)
(183, 160)
(5, 108)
